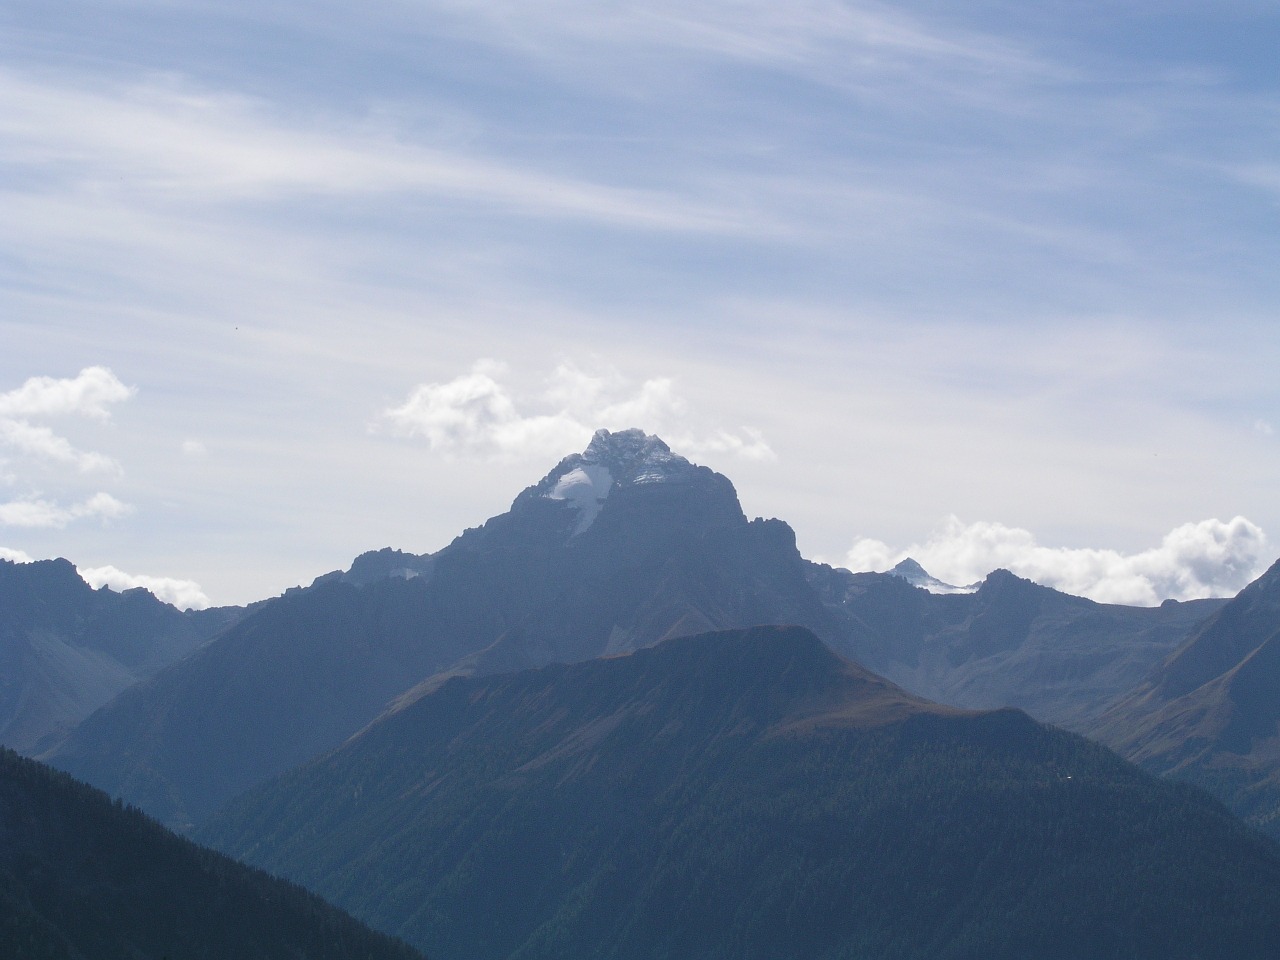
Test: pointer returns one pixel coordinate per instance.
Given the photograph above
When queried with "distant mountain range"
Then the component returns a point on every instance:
(83, 879)
(615, 549)
(66, 649)
(749, 795)
(1011, 642)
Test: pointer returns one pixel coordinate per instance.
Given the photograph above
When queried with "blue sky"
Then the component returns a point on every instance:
(989, 283)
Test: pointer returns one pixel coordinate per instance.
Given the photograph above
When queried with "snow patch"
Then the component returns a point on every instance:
(585, 487)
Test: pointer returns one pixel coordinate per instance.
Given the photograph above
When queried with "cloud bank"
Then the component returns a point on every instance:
(477, 414)
(1210, 558)
(183, 594)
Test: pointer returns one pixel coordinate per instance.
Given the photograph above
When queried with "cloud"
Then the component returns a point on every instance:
(15, 556)
(38, 512)
(1210, 558)
(183, 594)
(194, 448)
(812, 37)
(1263, 428)
(748, 443)
(43, 443)
(476, 414)
(161, 141)
(87, 395)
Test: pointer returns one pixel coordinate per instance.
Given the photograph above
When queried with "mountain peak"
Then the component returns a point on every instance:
(633, 456)
(916, 575)
(620, 458)
(909, 568)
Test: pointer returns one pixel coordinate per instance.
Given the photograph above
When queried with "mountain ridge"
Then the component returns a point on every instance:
(614, 549)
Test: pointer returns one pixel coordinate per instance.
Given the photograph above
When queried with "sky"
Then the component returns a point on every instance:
(988, 284)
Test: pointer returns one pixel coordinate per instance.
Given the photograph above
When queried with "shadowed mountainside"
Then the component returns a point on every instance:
(1211, 713)
(750, 795)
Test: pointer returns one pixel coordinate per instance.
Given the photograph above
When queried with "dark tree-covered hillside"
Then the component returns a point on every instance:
(82, 878)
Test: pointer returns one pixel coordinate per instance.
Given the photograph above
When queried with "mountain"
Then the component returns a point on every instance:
(66, 649)
(83, 879)
(916, 575)
(291, 680)
(1211, 713)
(751, 795)
(1010, 642)
(616, 548)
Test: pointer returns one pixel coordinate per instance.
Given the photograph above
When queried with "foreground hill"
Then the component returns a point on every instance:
(1211, 713)
(66, 649)
(749, 794)
(83, 879)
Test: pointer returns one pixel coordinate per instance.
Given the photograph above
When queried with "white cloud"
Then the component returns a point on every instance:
(15, 556)
(1263, 428)
(477, 414)
(43, 443)
(183, 594)
(86, 394)
(748, 443)
(38, 512)
(194, 448)
(89, 394)
(474, 413)
(1211, 558)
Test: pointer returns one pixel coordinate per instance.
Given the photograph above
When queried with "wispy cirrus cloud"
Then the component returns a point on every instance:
(1211, 558)
(159, 141)
(805, 36)
(477, 414)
